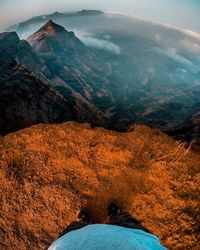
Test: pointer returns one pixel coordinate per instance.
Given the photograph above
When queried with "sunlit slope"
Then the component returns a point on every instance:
(49, 172)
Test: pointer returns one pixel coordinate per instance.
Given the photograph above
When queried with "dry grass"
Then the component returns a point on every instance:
(48, 172)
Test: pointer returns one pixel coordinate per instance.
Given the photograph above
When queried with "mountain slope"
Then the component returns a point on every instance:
(48, 172)
(152, 80)
(124, 88)
(12, 48)
(69, 60)
(26, 99)
(52, 29)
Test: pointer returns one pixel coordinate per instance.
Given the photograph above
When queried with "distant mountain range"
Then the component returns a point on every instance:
(144, 82)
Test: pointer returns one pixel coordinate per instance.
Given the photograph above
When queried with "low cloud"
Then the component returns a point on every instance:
(100, 44)
(190, 46)
(158, 37)
(173, 54)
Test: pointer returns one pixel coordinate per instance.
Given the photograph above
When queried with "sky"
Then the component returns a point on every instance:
(180, 13)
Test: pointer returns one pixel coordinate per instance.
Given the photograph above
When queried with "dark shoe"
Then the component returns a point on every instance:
(113, 209)
(84, 217)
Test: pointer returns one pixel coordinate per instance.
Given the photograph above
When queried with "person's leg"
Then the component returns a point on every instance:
(123, 219)
(84, 220)
(73, 226)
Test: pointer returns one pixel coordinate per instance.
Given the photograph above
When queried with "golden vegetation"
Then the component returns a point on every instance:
(48, 172)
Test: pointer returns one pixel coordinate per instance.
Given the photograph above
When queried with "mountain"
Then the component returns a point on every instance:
(49, 172)
(72, 64)
(89, 13)
(26, 76)
(12, 48)
(53, 41)
(40, 20)
(50, 29)
(133, 72)
(111, 71)
(111, 83)
(27, 97)
(26, 100)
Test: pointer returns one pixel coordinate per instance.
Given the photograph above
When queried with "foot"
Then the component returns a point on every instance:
(84, 217)
(113, 209)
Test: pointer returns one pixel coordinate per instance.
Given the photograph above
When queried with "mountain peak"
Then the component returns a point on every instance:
(12, 36)
(52, 28)
(48, 29)
(50, 23)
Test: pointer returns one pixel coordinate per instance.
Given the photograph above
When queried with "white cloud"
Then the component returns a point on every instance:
(166, 25)
(172, 54)
(100, 44)
(158, 37)
(192, 47)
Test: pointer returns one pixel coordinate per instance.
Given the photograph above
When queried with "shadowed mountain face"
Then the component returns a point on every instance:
(132, 72)
(12, 48)
(26, 95)
(26, 99)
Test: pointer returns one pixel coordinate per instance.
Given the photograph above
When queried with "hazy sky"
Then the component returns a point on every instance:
(181, 13)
